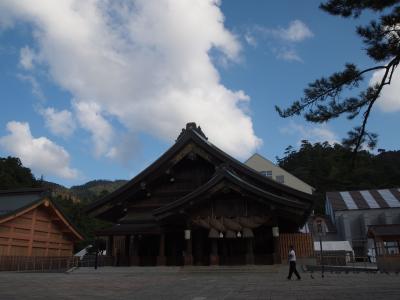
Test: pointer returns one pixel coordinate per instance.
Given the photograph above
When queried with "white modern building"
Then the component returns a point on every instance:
(268, 168)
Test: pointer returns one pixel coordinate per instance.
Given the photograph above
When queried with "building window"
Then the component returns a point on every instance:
(266, 173)
(387, 248)
(280, 178)
(391, 247)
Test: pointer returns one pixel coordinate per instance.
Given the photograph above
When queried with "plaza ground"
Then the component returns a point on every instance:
(196, 283)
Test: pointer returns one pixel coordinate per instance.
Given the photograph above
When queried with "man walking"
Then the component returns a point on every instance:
(292, 264)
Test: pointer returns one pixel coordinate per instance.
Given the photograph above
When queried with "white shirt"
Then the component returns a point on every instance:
(292, 255)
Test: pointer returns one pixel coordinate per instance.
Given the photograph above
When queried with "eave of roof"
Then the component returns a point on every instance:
(187, 136)
(384, 230)
(225, 174)
(129, 228)
(23, 191)
(68, 222)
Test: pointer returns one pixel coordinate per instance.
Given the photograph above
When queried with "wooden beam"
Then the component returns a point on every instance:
(32, 232)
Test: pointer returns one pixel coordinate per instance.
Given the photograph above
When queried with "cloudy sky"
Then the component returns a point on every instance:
(99, 89)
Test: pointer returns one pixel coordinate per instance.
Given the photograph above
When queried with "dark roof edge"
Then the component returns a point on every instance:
(223, 175)
(22, 208)
(57, 206)
(139, 177)
(250, 171)
(25, 191)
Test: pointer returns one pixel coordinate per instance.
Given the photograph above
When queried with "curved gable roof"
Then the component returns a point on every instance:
(192, 133)
(14, 203)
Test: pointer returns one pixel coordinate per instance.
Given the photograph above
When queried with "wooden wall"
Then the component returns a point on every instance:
(35, 233)
(302, 242)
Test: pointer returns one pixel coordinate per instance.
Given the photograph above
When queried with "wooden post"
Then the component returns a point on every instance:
(31, 235)
(250, 252)
(161, 259)
(127, 249)
(134, 256)
(188, 259)
(214, 258)
(275, 239)
(110, 245)
(199, 249)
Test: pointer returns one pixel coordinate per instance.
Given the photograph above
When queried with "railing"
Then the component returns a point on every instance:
(38, 263)
(102, 261)
(346, 260)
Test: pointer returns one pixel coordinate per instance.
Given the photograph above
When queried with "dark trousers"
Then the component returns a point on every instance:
(292, 269)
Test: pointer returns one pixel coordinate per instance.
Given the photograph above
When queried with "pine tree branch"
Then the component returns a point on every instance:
(389, 69)
(327, 92)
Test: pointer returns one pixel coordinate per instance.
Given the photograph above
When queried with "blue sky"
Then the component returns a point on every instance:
(99, 89)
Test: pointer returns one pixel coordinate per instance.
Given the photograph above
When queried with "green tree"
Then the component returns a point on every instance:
(328, 168)
(14, 175)
(74, 210)
(326, 98)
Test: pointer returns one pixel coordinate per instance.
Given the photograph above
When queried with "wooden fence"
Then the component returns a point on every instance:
(38, 263)
(303, 244)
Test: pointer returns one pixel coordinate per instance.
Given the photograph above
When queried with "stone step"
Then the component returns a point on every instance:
(185, 269)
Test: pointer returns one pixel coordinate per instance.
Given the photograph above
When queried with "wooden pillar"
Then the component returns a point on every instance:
(134, 253)
(110, 245)
(126, 259)
(127, 244)
(188, 257)
(200, 248)
(161, 259)
(249, 252)
(31, 235)
(275, 240)
(214, 258)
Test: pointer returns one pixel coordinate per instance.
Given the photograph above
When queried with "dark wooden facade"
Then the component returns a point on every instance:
(198, 205)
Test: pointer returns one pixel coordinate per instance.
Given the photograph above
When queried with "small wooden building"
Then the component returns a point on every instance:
(387, 246)
(32, 225)
(198, 205)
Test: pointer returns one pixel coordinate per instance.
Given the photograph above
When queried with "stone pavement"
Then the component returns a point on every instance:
(194, 283)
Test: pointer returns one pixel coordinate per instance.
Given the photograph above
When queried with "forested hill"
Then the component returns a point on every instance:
(330, 168)
(95, 188)
(326, 167)
(14, 175)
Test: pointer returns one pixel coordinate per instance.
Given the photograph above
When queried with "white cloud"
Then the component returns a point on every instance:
(35, 86)
(60, 123)
(297, 31)
(285, 39)
(312, 133)
(389, 100)
(127, 148)
(146, 64)
(288, 55)
(40, 154)
(90, 118)
(26, 58)
(250, 39)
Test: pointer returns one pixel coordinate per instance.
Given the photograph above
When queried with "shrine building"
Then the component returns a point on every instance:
(32, 225)
(197, 205)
